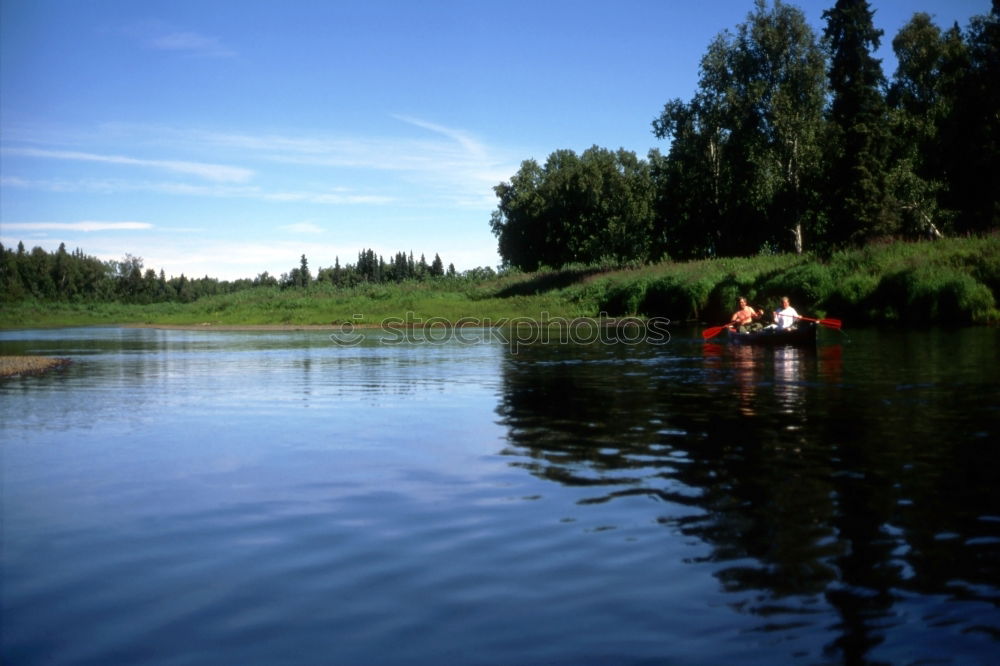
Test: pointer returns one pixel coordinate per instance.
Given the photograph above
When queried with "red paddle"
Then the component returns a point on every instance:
(714, 331)
(829, 323)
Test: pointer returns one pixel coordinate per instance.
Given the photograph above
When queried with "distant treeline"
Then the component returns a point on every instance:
(792, 142)
(75, 276)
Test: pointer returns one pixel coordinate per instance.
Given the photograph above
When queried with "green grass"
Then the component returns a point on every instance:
(946, 281)
(370, 304)
(940, 282)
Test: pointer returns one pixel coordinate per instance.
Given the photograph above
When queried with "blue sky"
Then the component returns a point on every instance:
(230, 137)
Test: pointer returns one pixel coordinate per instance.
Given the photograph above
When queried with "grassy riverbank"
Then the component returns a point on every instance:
(947, 281)
(940, 282)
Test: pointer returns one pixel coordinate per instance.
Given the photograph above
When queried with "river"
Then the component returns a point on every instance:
(189, 497)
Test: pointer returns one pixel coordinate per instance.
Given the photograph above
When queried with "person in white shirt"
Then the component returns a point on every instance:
(786, 317)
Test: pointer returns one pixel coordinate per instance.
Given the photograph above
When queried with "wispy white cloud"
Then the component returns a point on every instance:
(91, 185)
(428, 163)
(213, 172)
(85, 226)
(191, 43)
(14, 181)
(333, 196)
(450, 164)
(163, 36)
(357, 152)
(472, 147)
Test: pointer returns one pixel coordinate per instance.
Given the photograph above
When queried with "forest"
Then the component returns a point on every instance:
(75, 276)
(793, 142)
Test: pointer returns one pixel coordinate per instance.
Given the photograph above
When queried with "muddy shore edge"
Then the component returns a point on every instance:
(15, 366)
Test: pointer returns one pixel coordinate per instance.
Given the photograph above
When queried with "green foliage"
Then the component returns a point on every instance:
(598, 205)
(790, 143)
(853, 298)
(859, 141)
(747, 147)
(437, 267)
(984, 267)
(624, 298)
(725, 295)
(60, 276)
(671, 294)
(809, 282)
(928, 295)
(950, 281)
(970, 135)
(921, 99)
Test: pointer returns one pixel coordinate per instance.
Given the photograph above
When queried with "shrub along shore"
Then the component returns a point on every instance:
(951, 282)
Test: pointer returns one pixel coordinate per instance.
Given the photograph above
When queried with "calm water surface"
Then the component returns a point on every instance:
(204, 497)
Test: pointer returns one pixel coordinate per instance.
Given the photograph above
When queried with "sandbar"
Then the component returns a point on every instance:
(13, 366)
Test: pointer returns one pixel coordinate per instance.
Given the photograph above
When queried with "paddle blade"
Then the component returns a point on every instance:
(831, 323)
(712, 332)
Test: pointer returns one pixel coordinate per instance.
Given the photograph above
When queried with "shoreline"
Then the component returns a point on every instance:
(246, 327)
(396, 324)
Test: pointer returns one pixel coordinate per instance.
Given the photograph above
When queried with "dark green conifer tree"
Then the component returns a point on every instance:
(304, 276)
(437, 266)
(857, 148)
(971, 138)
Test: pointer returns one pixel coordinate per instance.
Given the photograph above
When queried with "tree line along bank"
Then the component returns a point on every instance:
(76, 276)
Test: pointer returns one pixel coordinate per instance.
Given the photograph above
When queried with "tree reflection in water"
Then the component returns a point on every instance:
(787, 475)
